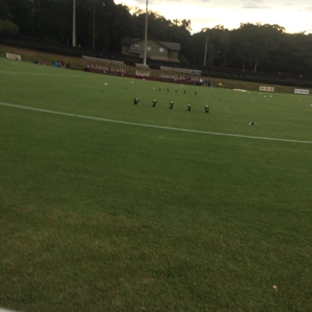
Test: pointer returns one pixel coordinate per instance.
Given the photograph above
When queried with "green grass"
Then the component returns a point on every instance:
(29, 55)
(106, 216)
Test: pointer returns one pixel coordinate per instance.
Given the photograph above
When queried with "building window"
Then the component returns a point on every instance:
(149, 48)
(162, 50)
(136, 46)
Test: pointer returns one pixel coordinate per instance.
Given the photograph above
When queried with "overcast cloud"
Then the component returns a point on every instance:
(293, 16)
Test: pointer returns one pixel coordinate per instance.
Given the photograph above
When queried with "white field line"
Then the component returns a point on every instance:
(147, 125)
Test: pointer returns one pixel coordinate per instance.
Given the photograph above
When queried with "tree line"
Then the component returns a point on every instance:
(101, 24)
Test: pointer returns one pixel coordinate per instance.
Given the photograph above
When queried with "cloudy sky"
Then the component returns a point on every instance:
(293, 15)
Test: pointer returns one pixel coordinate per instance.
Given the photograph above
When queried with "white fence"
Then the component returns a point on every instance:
(11, 56)
(267, 89)
(301, 91)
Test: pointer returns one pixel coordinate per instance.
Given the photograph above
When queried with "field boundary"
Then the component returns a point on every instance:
(47, 111)
(42, 74)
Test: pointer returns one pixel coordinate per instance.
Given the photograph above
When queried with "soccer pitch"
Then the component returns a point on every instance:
(110, 206)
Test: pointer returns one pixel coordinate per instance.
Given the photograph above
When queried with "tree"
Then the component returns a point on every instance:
(5, 12)
(253, 43)
(250, 47)
(8, 27)
(17, 12)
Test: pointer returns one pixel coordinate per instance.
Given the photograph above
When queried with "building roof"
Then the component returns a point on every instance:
(169, 45)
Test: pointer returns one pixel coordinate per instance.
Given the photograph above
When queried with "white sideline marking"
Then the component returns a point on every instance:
(47, 111)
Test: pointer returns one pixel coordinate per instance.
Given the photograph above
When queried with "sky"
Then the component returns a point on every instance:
(294, 15)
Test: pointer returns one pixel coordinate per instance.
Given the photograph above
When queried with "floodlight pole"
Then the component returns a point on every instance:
(74, 23)
(145, 35)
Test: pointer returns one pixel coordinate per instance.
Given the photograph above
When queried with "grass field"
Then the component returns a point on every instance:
(78, 63)
(29, 55)
(110, 206)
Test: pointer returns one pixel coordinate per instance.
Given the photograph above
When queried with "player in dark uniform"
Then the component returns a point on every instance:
(136, 101)
(171, 105)
(189, 107)
(206, 109)
(154, 103)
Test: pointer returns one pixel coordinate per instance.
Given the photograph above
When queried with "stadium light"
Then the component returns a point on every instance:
(145, 36)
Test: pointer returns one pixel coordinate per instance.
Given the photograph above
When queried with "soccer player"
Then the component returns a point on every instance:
(136, 101)
(206, 109)
(189, 107)
(171, 105)
(154, 103)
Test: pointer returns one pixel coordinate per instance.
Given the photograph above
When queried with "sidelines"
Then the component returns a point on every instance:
(147, 125)
(39, 74)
